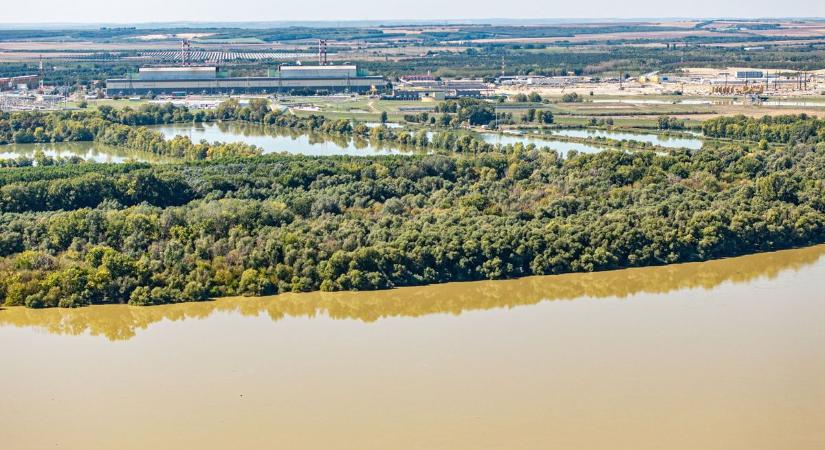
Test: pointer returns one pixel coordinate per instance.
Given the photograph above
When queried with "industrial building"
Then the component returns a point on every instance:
(540, 80)
(427, 87)
(186, 80)
(750, 74)
(18, 83)
(177, 73)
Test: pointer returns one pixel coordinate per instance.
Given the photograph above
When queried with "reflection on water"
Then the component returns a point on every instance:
(724, 355)
(118, 322)
(562, 147)
(652, 138)
(90, 151)
(274, 140)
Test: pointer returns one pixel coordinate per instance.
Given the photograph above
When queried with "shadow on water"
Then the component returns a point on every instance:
(120, 322)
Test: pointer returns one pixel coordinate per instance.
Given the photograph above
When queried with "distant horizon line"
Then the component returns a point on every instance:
(383, 22)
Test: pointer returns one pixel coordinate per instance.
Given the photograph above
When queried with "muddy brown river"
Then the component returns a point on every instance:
(723, 355)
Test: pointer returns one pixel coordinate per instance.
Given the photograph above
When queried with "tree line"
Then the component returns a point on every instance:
(121, 128)
(126, 128)
(786, 129)
(73, 235)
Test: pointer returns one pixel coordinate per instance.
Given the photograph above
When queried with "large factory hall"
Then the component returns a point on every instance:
(201, 80)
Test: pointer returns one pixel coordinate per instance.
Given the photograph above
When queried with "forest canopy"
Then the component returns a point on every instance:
(788, 129)
(81, 234)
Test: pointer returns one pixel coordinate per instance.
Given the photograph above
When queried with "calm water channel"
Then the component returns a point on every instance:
(276, 141)
(273, 140)
(652, 138)
(560, 146)
(723, 355)
(91, 151)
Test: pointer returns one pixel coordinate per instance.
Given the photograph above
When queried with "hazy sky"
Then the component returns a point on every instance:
(131, 11)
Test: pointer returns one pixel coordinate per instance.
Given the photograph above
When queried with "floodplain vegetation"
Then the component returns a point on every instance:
(126, 128)
(229, 222)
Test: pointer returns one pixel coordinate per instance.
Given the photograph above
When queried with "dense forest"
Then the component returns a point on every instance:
(788, 129)
(80, 234)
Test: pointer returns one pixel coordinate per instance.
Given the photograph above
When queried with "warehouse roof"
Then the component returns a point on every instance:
(350, 67)
(179, 69)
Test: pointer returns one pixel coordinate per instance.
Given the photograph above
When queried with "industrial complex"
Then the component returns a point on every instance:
(427, 87)
(202, 80)
(187, 80)
(22, 82)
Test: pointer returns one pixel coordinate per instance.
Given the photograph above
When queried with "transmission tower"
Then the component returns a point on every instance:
(322, 52)
(185, 52)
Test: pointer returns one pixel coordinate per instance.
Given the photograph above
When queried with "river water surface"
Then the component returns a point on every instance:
(275, 140)
(90, 151)
(562, 147)
(651, 138)
(724, 355)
